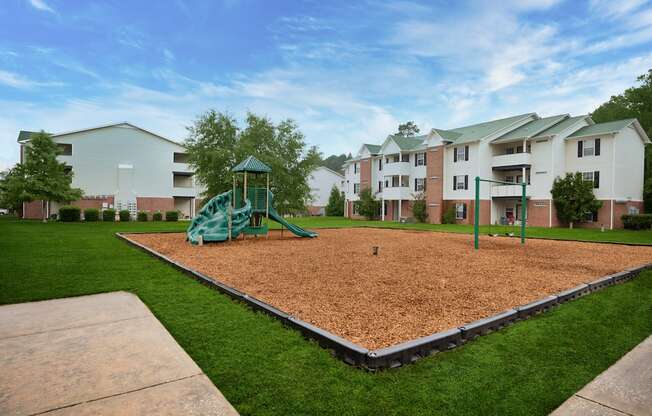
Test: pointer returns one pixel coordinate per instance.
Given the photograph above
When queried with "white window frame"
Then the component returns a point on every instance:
(459, 211)
(459, 185)
(460, 153)
(586, 179)
(421, 184)
(585, 147)
(421, 159)
(356, 188)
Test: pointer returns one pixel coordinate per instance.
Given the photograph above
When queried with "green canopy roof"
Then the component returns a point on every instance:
(251, 164)
(603, 128)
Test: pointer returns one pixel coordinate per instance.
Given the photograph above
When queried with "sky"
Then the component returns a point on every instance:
(348, 72)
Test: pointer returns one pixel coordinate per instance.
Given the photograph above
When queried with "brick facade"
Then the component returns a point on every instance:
(33, 210)
(485, 210)
(365, 173)
(435, 184)
(153, 204)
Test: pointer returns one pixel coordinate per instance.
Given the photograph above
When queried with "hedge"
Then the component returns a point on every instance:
(637, 222)
(142, 216)
(108, 215)
(91, 214)
(69, 213)
(157, 216)
(124, 215)
(171, 215)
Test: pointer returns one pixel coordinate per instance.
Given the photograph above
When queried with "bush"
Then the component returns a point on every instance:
(637, 222)
(124, 215)
(368, 205)
(108, 215)
(91, 214)
(68, 213)
(157, 216)
(420, 207)
(171, 215)
(449, 216)
(142, 216)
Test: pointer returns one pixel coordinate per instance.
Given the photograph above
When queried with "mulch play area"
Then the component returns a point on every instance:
(418, 284)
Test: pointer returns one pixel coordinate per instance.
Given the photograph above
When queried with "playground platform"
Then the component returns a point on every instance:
(97, 355)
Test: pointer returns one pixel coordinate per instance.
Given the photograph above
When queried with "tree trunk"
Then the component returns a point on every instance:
(570, 225)
(43, 210)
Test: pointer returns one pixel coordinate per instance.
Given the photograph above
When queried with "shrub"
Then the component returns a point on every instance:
(368, 205)
(449, 216)
(171, 215)
(142, 216)
(637, 222)
(157, 216)
(124, 215)
(68, 213)
(420, 207)
(108, 215)
(91, 214)
(335, 207)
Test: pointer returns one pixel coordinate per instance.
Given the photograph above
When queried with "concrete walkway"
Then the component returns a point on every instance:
(97, 355)
(625, 388)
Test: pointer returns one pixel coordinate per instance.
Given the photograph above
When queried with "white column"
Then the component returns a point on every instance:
(399, 210)
(382, 209)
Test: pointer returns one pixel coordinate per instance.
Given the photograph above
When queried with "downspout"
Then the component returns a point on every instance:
(613, 181)
(552, 171)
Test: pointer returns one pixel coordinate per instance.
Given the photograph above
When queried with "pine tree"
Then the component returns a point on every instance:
(335, 207)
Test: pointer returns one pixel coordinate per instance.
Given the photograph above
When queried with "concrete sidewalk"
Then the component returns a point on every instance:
(625, 388)
(97, 355)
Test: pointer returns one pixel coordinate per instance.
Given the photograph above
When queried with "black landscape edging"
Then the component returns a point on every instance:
(407, 352)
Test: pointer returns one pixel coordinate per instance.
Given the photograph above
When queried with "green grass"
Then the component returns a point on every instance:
(265, 369)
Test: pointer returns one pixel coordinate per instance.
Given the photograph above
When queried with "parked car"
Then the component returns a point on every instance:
(4, 211)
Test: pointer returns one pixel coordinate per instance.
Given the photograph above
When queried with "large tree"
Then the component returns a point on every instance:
(634, 102)
(12, 184)
(573, 198)
(41, 176)
(336, 162)
(216, 144)
(408, 129)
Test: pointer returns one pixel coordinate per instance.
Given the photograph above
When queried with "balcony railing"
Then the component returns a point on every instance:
(512, 160)
(396, 192)
(396, 168)
(509, 191)
(184, 191)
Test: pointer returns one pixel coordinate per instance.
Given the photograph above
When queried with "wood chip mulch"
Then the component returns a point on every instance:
(418, 284)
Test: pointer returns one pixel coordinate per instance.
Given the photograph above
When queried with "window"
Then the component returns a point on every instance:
(405, 157)
(592, 177)
(405, 181)
(509, 178)
(356, 188)
(182, 180)
(460, 211)
(419, 184)
(395, 181)
(591, 216)
(380, 186)
(588, 148)
(392, 159)
(509, 151)
(386, 183)
(355, 167)
(420, 159)
(180, 157)
(355, 209)
(460, 153)
(67, 170)
(460, 182)
(380, 164)
(65, 149)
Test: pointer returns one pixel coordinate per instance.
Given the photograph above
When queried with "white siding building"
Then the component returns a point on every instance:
(321, 181)
(122, 166)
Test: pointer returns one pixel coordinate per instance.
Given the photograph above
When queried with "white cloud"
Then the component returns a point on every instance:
(41, 5)
(16, 81)
(612, 8)
(169, 56)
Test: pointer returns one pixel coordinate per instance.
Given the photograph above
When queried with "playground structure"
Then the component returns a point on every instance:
(241, 211)
(476, 213)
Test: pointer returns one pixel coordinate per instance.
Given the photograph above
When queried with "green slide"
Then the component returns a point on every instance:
(295, 229)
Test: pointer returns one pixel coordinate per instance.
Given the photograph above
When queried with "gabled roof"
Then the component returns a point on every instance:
(330, 170)
(531, 129)
(374, 149)
(563, 125)
(610, 127)
(476, 132)
(251, 164)
(447, 135)
(28, 134)
(25, 136)
(406, 143)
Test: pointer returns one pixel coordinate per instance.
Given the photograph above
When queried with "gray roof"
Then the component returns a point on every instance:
(374, 149)
(476, 132)
(408, 143)
(603, 128)
(251, 164)
(25, 136)
(561, 126)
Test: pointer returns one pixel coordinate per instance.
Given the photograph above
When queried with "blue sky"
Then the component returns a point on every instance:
(347, 72)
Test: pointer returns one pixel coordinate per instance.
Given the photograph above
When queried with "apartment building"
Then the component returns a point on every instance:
(443, 164)
(321, 182)
(122, 166)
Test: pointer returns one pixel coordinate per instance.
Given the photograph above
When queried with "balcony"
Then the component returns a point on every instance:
(509, 191)
(512, 161)
(396, 192)
(184, 191)
(396, 168)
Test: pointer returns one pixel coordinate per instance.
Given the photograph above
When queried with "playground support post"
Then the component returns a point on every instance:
(476, 215)
(267, 207)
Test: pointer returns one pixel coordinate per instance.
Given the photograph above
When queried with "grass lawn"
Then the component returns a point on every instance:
(264, 368)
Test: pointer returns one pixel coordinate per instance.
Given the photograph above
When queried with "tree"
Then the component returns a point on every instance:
(335, 162)
(216, 144)
(43, 177)
(573, 198)
(634, 102)
(335, 207)
(211, 146)
(368, 205)
(420, 207)
(12, 185)
(408, 129)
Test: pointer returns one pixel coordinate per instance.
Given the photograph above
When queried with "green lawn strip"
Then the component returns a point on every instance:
(264, 368)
